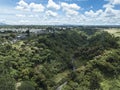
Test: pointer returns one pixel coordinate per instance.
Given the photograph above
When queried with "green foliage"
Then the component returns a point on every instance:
(103, 39)
(45, 61)
(99, 72)
(26, 85)
(7, 83)
(6, 80)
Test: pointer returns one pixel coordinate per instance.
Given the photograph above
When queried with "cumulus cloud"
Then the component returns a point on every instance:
(53, 5)
(22, 5)
(70, 9)
(109, 8)
(70, 6)
(70, 12)
(51, 13)
(114, 2)
(37, 7)
(108, 15)
(111, 3)
(91, 13)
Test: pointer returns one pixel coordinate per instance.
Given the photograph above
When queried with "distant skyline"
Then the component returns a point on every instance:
(59, 12)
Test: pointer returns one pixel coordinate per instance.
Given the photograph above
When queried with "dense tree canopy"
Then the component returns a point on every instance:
(84, 60)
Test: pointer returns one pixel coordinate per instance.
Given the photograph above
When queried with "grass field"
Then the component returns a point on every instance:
(114, 31)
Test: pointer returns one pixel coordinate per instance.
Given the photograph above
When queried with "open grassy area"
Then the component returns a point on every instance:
(114, 31)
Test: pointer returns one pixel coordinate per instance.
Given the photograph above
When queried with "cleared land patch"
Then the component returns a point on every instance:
(114, 31)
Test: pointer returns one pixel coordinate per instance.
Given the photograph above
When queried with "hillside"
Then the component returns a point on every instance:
(61, 60)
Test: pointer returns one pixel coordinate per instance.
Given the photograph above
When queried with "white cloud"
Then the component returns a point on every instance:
(37, 7)
(91, 13)
(51, 13)
(111, 3)
(114, 2)
(22, 5)
(109, 9)
(70, 12)
(108, 15)
(70, 9)
(70, 6)
(108, 6)
(53, 5)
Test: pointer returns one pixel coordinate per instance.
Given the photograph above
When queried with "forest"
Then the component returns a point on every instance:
(72, 59)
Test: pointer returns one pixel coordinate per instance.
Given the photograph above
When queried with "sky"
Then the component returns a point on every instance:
(60, 12)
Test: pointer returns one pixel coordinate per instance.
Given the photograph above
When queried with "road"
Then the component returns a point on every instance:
(61, 86)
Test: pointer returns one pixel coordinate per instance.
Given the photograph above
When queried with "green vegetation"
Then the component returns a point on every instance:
(74, 59)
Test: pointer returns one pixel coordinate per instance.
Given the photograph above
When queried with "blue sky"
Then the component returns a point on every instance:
(50, 12)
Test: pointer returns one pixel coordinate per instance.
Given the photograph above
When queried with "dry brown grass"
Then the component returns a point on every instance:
(113, 31)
